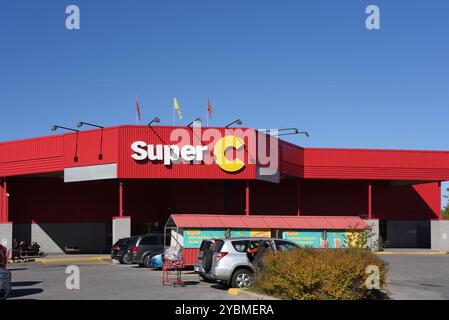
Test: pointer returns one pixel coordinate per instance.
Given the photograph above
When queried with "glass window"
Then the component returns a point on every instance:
(284, 245)
(240, 246)
(133, 242)
(150, 241)
(218, 245)
(204, 244)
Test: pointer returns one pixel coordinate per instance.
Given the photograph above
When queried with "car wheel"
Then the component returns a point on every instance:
(242, 278)
(125, 259)
(147, 261)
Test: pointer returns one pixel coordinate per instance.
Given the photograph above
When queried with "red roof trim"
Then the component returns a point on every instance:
(268, 222)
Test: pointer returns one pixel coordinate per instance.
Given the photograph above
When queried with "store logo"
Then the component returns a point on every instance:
(173, 154)
(167, 153)
(220, 149)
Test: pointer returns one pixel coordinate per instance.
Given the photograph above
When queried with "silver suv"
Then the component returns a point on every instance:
(228, 261)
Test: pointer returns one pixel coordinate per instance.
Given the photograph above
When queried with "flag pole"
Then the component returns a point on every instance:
(207, 112)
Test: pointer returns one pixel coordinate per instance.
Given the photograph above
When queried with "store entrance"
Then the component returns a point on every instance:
(406, 234)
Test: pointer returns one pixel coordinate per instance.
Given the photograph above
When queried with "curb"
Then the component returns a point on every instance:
(413, 253)
(21, 261)
(249, 295)
(100, 260)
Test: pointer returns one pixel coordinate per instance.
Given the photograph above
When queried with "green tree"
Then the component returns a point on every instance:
(446, 208)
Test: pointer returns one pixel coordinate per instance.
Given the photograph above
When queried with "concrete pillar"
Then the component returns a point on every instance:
(373, 241)
(121, 228)
(6, 234)
(439, 235)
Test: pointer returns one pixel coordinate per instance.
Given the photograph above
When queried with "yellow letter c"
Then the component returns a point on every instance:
(220, 149)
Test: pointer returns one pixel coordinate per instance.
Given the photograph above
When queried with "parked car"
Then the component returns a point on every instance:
(119, 250)
(5, 275)
(228, 261)
(143, 247)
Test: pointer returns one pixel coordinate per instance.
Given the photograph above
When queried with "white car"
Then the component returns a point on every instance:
(229, 262)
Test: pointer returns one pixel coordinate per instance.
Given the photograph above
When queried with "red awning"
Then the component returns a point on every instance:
(267, 222)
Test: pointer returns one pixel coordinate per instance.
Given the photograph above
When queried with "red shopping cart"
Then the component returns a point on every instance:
(172, 271)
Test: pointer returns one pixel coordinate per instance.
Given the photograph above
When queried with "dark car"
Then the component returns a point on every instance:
(142, 248)
(119, 250)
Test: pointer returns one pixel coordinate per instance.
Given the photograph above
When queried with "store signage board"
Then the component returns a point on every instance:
(304, 238)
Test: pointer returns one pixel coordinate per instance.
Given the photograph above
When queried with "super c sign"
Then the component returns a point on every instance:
(173, 154)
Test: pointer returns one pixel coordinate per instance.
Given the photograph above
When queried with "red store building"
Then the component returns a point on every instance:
(87, 188)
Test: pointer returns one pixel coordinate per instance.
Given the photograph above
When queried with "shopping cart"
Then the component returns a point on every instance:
(172, 266)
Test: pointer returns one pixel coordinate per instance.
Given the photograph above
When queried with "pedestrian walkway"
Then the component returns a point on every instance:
(407, 251)
(68, 259)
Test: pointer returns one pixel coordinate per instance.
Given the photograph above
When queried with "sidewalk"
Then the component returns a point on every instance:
(69, 259)
(74, 258)
(407, 251)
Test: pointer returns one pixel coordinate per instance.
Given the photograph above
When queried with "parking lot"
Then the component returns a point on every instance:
(101, 279)
(418, 276)
(410, 276)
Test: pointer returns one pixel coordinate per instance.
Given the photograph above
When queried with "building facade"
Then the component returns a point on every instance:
(91, 187)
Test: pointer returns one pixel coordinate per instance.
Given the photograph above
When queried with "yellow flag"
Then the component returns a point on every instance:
(176, 107)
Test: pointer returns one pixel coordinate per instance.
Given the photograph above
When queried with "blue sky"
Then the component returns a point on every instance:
(310, 64)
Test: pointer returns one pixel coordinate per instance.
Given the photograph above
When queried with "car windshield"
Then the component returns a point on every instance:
(284, 245)
(122, 242)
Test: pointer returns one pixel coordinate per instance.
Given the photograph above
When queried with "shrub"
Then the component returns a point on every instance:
(307, 274)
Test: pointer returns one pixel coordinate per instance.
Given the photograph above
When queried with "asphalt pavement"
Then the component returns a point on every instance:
(418, 276)
(102, 279)
(411, 276)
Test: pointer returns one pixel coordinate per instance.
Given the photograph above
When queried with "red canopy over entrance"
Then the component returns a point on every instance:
(267, 222)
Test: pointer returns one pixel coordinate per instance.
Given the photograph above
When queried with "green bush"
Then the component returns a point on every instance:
(306, 274)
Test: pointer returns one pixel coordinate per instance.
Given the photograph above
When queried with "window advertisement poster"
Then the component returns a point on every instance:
(251, 233)
(193, 237)
(304, 238)
(336, 239)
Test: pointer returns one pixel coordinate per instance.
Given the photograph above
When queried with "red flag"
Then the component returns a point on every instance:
(209, 108)
(137, 109)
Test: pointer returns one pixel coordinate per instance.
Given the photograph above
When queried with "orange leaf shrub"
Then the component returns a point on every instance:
(307, 274)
